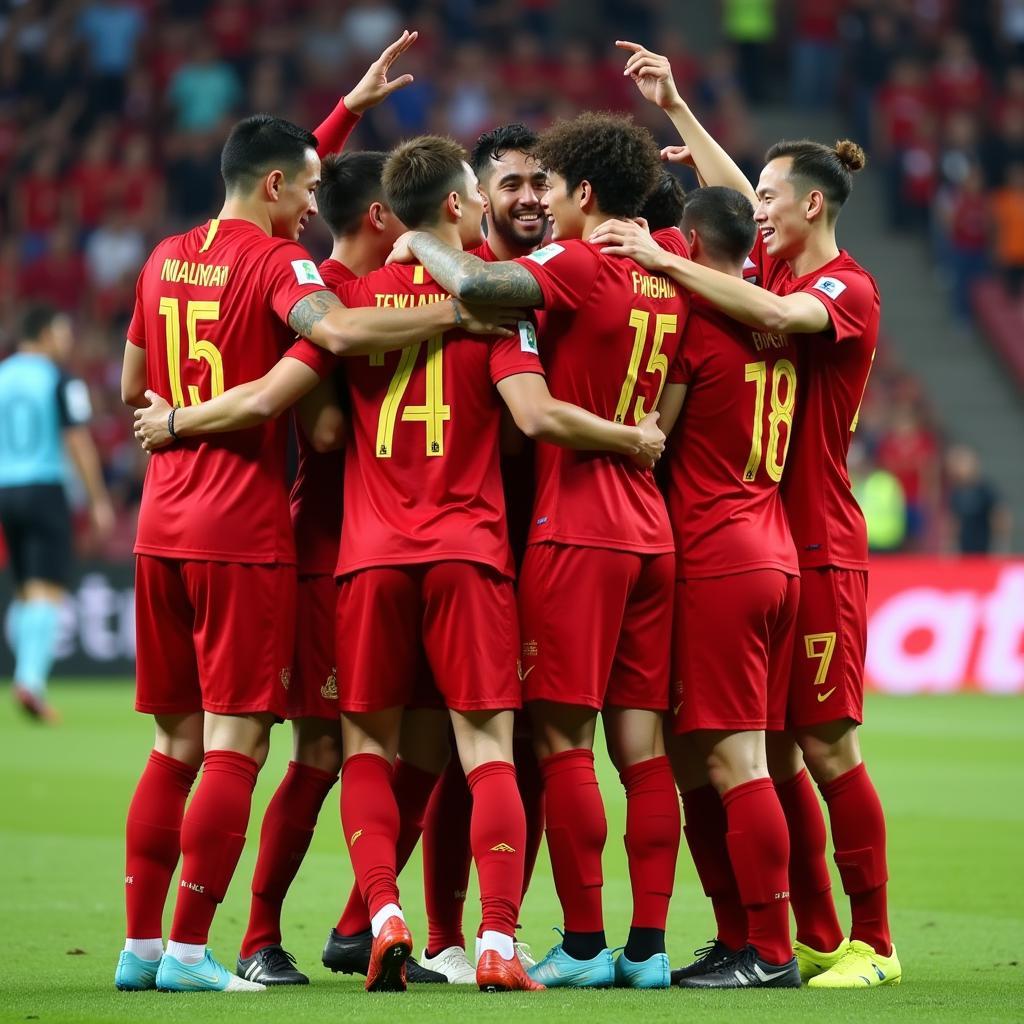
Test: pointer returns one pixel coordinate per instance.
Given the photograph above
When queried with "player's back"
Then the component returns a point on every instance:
(728, 450)
(211, 312)
(422, 478)
(611, 329)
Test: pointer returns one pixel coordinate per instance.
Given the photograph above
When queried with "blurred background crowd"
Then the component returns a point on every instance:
(112, 115)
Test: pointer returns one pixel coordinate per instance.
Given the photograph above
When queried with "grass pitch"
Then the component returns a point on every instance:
(951, 774)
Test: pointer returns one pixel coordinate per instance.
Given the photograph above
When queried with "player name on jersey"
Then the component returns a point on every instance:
(205, 275)
(653, 286)
(408, 301)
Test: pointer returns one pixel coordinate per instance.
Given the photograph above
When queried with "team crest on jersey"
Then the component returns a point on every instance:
(286, 677)
(329, 691)
(527, 337)
(831, 286)
(306, 272)
(549, 252)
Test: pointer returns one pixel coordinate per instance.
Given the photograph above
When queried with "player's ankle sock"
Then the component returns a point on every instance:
(705, 831)
(369, 818)
(284, 839)
(652, 840)
(858, 835)
(643, 943)
(583, 945)
(503, 944)
(531, 788)
(497, 835)
(758, 843)
(576, 830)
(212, 837)
(153, 840)
(145, 949)
(35, 644)
(186, 952)
(447, 858)
(388, 911)
(810, 886)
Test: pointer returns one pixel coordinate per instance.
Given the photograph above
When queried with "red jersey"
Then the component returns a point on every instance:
(827, 523)
(422, 476)
(211, 311)
(729, 447)
(611, 329)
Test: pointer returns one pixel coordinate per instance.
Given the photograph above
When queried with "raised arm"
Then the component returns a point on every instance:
(652, 74)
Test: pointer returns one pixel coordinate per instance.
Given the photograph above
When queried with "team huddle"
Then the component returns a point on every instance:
(538, 485)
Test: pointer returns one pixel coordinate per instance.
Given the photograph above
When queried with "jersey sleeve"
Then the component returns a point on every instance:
(319, 360)
(848, 296)
(289, 276)
(518, 354)
(672, 240)
(565, 272)
(137, 327)
(74, 408)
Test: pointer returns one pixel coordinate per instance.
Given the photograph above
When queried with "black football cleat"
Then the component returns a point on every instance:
(350, 954)
(747, 970)
(271, 965)
(710, 958)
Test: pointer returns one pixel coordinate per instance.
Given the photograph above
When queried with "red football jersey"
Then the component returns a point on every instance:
(211, 311)
(672, 240)
(729, 447)
(611, 329)
(827, 523)
(422, 477)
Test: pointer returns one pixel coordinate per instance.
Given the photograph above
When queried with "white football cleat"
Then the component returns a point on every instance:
(453, 964)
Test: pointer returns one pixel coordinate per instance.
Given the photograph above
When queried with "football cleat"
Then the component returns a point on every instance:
(271, 965)
(453, 964)
(654, 972)
(747, 970)
(134, 974)
(861, 967)
(525, 955)
(206, 976)
(710, 958)
(34, 706)
(388, 954)
(813, 962)
(559, 970)
(495, 974)
(350, 954)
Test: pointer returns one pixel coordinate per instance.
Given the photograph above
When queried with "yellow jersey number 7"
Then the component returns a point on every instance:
(433, 413)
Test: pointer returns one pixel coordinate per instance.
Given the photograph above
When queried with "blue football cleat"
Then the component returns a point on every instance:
(653, 972)
(134, 974)
(559, 970)
(205, 976)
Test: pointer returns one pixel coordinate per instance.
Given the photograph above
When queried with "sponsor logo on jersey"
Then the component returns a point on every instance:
(503, 848)
(549, 252)
(355, 835)
(822, 697)
(306, 272)
(519, 670)
(831, 286)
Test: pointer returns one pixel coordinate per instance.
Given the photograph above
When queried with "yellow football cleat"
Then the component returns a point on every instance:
(861, 967)
(813, 962)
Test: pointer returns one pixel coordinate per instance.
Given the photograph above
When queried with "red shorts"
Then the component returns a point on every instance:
(314, 689)
(827, 679)
(213, 636)
(595, 626)
(457, 617)
(733, 643)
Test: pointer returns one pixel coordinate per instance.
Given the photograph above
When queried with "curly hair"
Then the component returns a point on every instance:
(617, 157)
(493, 145)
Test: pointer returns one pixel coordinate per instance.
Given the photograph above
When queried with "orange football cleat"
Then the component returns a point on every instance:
(494, 974)
(390, 950)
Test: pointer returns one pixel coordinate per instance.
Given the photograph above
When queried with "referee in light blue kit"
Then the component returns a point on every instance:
(43, 417)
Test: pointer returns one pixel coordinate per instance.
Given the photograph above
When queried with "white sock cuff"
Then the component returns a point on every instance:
(378, 919)
(498, 941)
(145, 949)
(186, 952)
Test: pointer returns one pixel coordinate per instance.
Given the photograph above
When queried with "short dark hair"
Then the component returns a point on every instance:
(664, 206)
(617, 157)
(349, 183)
(36, 318)
(419, 174)
(829, 168)
(493, 145)
(724, 220)
(259, 144)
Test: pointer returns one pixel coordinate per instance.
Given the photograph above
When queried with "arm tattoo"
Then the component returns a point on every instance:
(308, 312)
(474, 280)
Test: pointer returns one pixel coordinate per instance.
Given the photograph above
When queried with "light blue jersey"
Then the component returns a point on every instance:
(37, 403)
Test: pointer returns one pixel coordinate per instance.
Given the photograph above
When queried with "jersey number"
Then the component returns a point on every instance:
(783, 373)
(657, 362)
(433, 413)
(198, 348)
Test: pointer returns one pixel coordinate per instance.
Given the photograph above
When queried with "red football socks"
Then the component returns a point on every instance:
(153, 841)
(577, 830)
(652, 839)
(497, 835)
(810, 886)
(369, 819)
(447, 858)
(212, 837)
(531, 788)
(284, 839)
(858, 835)
(705, 835)
(758, 842)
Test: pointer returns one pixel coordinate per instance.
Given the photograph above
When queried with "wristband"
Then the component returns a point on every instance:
(458, 312)
(170, 424)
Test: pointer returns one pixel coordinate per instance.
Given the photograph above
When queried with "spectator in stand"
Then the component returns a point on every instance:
(880, 496)
(750, 26)
(965, 216)
(980, 522)
(815, 55)
(204, 91)
(90, 178)
(1007, 215)
(958, 81)
(58, 275)
(111, 32)
(39, 198)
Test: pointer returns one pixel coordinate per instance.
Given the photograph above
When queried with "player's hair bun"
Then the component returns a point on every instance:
(851, 156)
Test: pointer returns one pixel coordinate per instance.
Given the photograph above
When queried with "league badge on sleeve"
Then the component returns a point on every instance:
(306, 273)
(527, 337)
(549, 252)
(831, 286)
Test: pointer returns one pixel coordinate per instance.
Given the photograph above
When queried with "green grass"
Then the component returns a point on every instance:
(949, 768)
